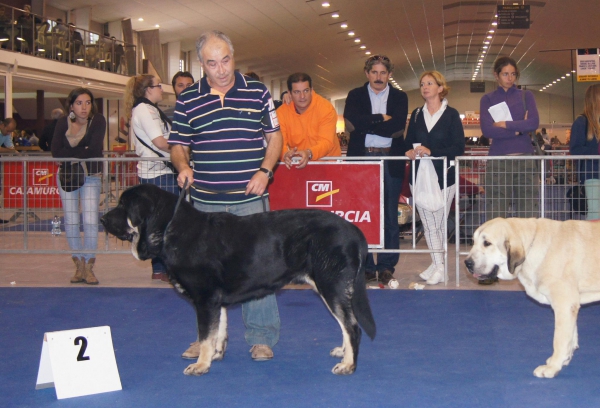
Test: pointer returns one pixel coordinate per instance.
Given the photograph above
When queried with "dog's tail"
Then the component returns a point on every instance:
(360, 301)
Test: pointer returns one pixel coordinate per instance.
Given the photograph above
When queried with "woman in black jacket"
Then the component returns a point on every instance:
(80, 135)
(436, 130)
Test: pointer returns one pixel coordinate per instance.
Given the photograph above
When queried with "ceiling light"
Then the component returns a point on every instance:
(562, 77)
(553, 82)
(486, 42)
(368, 53)
(362, 47)
(541, 90)
(494, 23)
(573, 71)
(335, 15)
(357, 40)
(489, 36)
(483, 52)
(491, 31)
(140, 19)
(568, 74)
(325, 4)
(156, 25)
(558, 80)
(481, 60)
(350, 33)
(344, 25)
(485, 47)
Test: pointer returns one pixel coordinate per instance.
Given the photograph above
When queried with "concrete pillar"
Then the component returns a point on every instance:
(39, 123)
(8, 96)
(173, 57)
(82, 18)
(114, 28)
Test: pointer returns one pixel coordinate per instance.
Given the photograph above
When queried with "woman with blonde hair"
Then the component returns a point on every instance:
(150, 129)
(585, 135)
(435, 130)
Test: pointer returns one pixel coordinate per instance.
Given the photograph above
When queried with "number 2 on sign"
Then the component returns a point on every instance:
(80, 356)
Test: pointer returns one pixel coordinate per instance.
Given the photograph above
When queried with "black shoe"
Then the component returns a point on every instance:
(370, 276)
(488, 281)
(386, 276)
(4, 221)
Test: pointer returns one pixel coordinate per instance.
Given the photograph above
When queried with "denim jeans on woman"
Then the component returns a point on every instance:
(88, 198)
(167, 182)
(261, 316)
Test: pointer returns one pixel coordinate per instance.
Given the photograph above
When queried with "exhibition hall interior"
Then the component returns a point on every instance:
(492, 99)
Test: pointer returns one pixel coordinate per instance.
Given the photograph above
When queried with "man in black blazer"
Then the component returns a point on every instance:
(375, 115)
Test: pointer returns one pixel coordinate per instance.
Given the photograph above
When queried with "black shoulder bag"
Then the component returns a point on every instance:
(538, 149)
(72, 174)
(159, 154)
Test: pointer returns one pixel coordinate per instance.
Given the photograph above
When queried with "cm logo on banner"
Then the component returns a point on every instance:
(320, 193)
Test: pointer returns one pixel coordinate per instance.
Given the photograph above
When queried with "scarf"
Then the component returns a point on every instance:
(163, 117)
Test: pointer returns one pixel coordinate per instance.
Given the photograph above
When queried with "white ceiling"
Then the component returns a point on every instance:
(277, 37)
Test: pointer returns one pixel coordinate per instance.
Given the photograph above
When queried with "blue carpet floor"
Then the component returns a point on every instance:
(433, 349)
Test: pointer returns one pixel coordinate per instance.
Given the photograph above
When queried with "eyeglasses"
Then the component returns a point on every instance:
(377, 58)
(155, 86)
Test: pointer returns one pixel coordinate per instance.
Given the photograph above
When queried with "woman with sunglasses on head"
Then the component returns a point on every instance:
(80, 135)
(436, 130)
(150, 129)
(585, 137)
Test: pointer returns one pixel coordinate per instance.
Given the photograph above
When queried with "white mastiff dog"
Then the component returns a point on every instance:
(558, 263)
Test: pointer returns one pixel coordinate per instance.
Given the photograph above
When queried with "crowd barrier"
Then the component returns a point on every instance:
(518, 186)
(31, 206)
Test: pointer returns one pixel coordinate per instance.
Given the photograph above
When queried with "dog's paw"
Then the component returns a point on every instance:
(337, 352)
(546, 371)
(343, 369)
(218, 356)
(197, 369)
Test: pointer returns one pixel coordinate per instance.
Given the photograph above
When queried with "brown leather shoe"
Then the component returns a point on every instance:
(80, 270)
(89, 276)
(386, 276)
(261, 352)
(193, 352)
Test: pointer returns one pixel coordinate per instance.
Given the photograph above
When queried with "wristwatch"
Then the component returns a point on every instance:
(268, 172)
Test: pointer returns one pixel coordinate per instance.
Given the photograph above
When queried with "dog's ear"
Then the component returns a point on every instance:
(515, 255)
(139, 208)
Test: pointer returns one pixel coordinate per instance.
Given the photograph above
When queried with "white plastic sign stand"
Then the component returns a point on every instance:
(78, 362)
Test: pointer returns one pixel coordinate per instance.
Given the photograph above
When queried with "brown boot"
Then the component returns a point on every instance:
(89, 276)
(80, 265)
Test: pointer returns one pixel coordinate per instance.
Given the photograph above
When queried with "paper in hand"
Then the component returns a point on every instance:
(500, 112)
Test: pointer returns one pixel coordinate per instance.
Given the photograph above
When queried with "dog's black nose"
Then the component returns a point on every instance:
(469, 263)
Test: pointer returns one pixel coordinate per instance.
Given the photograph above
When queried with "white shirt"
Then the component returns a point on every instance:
(378, 105)
(146, 123)
(431, 120)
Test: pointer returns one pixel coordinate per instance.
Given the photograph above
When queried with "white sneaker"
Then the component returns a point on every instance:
(426, 274)
(437, 276)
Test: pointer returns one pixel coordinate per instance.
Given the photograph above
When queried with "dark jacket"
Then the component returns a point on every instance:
(447, 138)
(47, 135)
(62, 148)
(580, 146)
(360, 122)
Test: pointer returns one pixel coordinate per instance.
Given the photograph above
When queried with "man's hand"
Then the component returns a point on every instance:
(185, 174)
(290, 154)
(258, 183)
(386, 117)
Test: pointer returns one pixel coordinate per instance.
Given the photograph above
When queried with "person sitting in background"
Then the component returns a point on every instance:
(585, 137)
(307, 124)
(48, 132)
(7, 127)
(33, 139)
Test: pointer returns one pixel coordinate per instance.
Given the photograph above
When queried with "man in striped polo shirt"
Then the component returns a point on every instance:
(223, 121)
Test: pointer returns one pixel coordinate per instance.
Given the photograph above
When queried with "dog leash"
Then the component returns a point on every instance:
(181, 196)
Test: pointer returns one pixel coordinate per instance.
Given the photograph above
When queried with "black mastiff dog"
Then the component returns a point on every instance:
(220, 259)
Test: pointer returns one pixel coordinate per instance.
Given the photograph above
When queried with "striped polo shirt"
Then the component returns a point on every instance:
(225, 138)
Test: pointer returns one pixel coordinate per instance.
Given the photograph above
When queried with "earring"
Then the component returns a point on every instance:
(72, 115)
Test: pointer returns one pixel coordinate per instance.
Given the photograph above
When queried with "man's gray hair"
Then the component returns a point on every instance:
(57, 113)
(202, 40)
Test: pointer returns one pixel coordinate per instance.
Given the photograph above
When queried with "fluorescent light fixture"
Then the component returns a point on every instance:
(553, 82)
(563, 77)
(357, 40)
(568, 74)
(140, 19)
(335, 15)
(489, 37)
(495, 23)
(362, 47)
(156, 25)
(368, 53)
(485, 47)
(325, 4)
(344, 25)
(486, 42)
(491, 31)
(350, 33)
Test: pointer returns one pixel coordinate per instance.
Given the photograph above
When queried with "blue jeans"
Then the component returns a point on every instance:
(261, 316)
(167, 182)
(392, 187)
(88, 196)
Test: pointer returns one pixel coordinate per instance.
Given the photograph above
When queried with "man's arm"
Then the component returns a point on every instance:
(258, 183)
(180, 157)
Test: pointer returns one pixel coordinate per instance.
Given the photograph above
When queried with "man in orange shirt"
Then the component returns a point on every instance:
(308, 124)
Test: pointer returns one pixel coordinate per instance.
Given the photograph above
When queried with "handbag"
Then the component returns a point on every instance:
(167, 163)
(72, 174)
(537, 149)
(427, 192)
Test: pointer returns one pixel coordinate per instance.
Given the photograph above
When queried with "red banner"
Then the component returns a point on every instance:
(42, 191)
(352, 190)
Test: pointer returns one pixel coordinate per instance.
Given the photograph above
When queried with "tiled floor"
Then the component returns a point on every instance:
(123, 270)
